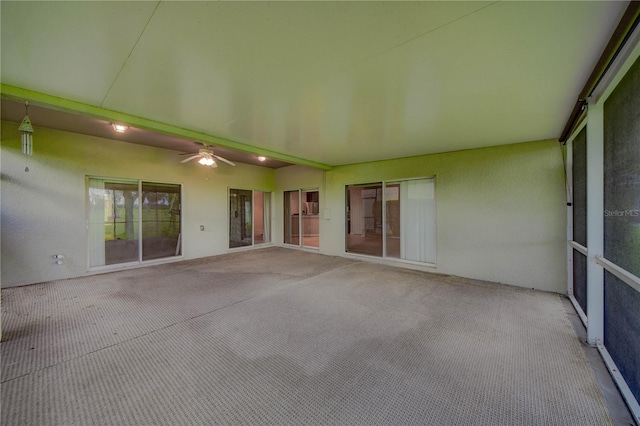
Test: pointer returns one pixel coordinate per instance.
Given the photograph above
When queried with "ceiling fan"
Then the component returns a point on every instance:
(206, 158)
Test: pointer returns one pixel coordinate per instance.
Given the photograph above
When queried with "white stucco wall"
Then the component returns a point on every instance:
(43, 210)
(500, 211)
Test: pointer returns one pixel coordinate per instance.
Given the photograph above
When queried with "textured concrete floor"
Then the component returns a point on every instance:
(278, 336)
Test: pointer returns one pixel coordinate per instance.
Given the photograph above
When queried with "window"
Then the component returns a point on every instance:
(393, 220)
(249, 217)
(132, 221)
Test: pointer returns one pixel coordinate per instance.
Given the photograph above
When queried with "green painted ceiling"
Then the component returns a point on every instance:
(328, 82)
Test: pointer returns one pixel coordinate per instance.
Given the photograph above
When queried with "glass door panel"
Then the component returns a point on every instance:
(258, 218)
(120, 211)
(418, 224)
(97, 199)
(392, 228)
(364, 219)
(292, 217)
(266, 217)
(261, 217)
(240, 218)
(310, 218)
(161, 236)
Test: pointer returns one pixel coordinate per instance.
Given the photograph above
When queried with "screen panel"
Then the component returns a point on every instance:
(622, 173)
(622, 329)
(622, 224)
(579, 169)
(580, 279)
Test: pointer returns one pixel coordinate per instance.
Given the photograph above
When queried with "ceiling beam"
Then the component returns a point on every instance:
(62, 104)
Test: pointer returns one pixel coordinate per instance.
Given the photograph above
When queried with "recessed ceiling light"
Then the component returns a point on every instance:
(261, 158)
(120, 128)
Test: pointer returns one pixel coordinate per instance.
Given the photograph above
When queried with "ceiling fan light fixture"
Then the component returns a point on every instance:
(261, 158)
(206, 161)
(206, 157)
(120, 128)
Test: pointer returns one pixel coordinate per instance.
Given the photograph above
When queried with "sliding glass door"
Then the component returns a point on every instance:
(403, 229)
(132, 221)
(249, 217)
(302, 218)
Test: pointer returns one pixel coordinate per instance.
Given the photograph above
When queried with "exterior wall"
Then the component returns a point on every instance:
(43, 210)
(500, 211)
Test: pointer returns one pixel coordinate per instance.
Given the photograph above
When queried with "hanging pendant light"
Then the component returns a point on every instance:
(26, 131)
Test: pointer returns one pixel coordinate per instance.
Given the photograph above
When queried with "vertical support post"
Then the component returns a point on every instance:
(595, 222)
(569, 183)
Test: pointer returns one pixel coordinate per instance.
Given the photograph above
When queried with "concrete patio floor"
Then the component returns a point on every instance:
(280, 336)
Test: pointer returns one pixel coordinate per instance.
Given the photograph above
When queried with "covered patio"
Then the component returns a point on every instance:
(279, 336)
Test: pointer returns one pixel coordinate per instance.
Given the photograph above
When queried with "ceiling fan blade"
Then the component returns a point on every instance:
(193, 157)
(224, 159)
